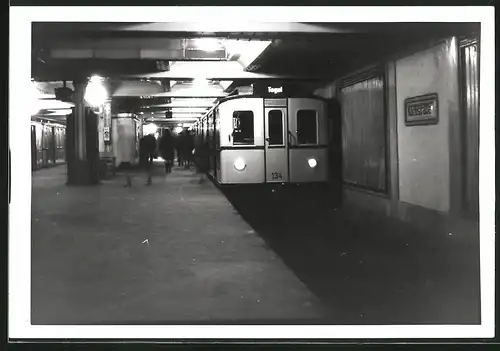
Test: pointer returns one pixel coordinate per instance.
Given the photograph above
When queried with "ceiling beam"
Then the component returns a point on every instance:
(132, 48)
(237, 29)
(190, 95)
(188, 110)
(176, 119)
(136, 54)
(183, 105)
(226, 27)
(70, 69)
(223, 70)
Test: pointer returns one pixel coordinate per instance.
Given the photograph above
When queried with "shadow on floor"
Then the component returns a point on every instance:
(360, 271)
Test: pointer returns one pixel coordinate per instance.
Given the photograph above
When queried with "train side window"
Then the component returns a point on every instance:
(275, 119)
(307, 130)
(243, 131)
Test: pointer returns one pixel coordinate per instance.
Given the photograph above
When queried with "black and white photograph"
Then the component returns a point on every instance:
(251, 172)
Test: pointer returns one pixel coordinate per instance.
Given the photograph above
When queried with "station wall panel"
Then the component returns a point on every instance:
(424, 150)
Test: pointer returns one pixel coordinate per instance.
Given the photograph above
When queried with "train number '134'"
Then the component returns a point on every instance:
(276, 175)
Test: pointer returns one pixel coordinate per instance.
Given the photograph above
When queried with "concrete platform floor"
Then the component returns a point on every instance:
(174, 252)
(369, 271)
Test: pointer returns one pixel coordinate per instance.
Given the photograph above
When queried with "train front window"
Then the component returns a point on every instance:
(243, 131)
(275, 119)
(307, 131)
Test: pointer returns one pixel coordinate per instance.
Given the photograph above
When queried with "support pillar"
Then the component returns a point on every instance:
(79, 126)
(81, 151)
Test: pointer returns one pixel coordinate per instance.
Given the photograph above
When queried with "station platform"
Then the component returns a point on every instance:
(174, 252)
(179, 252)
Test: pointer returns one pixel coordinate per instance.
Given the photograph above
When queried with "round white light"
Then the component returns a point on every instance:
(178, 129)
(95, 93)
(312, 162)
(239, 164)
(149, 129)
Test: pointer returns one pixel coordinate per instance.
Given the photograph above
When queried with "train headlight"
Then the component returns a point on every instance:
(312, 162)
(239, 164)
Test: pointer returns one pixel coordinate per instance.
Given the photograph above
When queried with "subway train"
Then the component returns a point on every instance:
(47, 144)
(257, 139)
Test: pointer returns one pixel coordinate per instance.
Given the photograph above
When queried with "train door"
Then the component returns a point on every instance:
(214, 145)
(217, 144)
(33, 148)
(52, 145)
(276, 148)
(39, 145)
(45, 146)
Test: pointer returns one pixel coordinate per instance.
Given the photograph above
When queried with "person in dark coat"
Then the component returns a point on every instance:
(166, 147)
(188, 150)
(179, 142)
(147, 148)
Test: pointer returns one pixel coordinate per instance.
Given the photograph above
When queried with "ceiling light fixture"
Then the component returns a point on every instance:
(200, 82)
(208, 44)
(95, 93)
(150, 129)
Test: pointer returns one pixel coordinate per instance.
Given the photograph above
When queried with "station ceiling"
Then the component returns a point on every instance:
(154, 67)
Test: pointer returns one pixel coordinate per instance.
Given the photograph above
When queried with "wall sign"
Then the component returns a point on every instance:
(422, 110)
(106, 134)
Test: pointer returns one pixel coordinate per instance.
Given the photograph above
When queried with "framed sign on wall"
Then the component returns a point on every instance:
(107, 134)
(422, 110)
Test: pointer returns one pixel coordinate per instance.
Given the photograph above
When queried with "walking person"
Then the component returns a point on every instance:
(179, 148)
(188, 150)
(166, 147)
(201, 156)
(150, 147)
(147, 148)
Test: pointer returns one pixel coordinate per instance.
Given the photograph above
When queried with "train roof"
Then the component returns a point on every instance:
(288, 96)
(259, 96)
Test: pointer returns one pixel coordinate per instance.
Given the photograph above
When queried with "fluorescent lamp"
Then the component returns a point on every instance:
(208, 44)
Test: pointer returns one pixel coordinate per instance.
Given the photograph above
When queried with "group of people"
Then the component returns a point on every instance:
(166, 147)
(184, 147)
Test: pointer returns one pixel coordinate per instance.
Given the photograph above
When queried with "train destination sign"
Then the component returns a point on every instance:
(274, 90)
(270, 89)
(422, 110)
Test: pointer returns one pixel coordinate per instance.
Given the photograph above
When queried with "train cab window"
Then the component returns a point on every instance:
(307, 131)
(275, 119)
(243, 131)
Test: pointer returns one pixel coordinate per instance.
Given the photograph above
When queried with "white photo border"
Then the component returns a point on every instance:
(21, 19)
